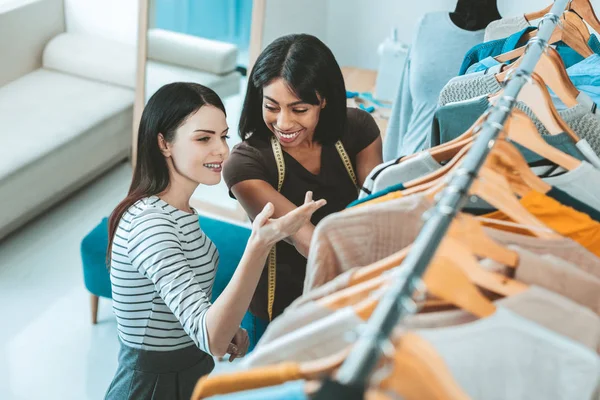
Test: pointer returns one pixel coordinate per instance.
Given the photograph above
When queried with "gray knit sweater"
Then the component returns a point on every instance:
(583, 118)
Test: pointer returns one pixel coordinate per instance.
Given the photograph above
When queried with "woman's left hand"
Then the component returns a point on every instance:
(239, 344)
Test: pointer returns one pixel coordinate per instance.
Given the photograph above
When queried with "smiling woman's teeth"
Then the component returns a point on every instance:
(213, 166)
(288, 136)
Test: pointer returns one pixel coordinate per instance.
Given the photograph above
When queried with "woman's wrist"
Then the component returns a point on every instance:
(258, 246)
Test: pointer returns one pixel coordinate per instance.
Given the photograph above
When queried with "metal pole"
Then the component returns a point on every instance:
(397, 301)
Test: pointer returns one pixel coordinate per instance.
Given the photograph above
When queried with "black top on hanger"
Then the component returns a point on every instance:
(473, 15)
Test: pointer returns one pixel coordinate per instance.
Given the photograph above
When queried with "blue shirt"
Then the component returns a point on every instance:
(480, 57)
(381, 193)
(586, 76)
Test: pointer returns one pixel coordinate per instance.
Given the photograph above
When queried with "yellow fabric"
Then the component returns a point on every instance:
(382, 199)
(246, 380)
(564, 220)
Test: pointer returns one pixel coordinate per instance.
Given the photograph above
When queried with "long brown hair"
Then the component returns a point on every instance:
(166, 111)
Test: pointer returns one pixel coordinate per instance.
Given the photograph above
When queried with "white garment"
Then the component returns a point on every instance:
(588, 153)
(582, 183)
(418, 166)
(367, 187)
(505, 27)
(505, 356)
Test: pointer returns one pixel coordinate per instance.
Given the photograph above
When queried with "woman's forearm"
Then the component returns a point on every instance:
(301, 240)
(225, 315)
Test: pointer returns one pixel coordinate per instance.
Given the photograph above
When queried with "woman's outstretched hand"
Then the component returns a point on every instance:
(267, 231)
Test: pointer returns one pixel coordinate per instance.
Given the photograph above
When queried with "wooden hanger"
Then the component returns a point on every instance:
(586, 11)
(431, 179)
(494, 188)
(464, 227)
(470, 232)
(535, 95)
(419, 373)
(579, 23)
(520, 129)
(446, 151)
(538, 14)
(452, 252)
(552, 70)
(568, 33)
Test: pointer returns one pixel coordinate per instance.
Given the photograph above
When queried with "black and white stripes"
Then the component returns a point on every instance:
(162, 272)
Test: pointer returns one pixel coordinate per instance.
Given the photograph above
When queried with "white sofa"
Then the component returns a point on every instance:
(66, 110)
(66, 101)
(179, 57)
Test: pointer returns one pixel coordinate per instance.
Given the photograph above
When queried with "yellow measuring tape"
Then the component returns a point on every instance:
(272, 260)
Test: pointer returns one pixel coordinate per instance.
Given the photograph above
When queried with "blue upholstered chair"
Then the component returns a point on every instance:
(93, 257)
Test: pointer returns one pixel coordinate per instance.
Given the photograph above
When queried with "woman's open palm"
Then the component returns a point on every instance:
(270, 231)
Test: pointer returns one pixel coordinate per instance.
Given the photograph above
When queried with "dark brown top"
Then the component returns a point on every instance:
(254, 159)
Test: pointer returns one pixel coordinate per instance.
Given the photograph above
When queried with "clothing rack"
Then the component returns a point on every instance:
(397, 301)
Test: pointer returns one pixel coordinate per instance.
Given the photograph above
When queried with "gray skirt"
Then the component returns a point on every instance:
(157, 375)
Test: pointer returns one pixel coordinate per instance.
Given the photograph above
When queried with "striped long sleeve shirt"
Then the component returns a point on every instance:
(162, 272)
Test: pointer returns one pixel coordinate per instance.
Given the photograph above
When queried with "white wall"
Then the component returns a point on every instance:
(283, 17)
(356, 27)
(111, 19)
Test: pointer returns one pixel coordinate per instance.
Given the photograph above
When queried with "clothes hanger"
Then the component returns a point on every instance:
(551, 69)
(568, 33)
(266, 376)
(363, 285)
(535, 95)
(538, 14)
(585, 10)
(579, 23)
(520, 129)
(465, 227)
(498, 188)
(419, 373)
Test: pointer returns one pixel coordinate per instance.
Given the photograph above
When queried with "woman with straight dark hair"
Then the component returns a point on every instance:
(298, 135)
(162, 266)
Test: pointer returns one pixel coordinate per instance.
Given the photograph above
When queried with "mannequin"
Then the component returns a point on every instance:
(473, 15)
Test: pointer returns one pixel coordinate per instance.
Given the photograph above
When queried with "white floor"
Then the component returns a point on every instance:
(50, 350)
(48, 347)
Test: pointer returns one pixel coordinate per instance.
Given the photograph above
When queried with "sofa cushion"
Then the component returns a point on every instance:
(93, 58)
(43, 110)
(58, 132)
(191, 51)
(159, 74)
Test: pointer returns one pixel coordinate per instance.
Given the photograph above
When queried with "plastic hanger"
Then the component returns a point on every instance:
(586, 11)
(552, 70)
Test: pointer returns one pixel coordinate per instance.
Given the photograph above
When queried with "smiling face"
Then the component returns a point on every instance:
(199, 147)
(290, 119)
